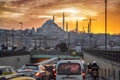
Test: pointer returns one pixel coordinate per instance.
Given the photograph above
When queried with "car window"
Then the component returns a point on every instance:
(33, 67)
(12, 70)
(1, 71)
(69, 68)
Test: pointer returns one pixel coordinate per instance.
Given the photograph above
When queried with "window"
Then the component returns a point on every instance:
(33, 67)
(1, 71)
(69, 68)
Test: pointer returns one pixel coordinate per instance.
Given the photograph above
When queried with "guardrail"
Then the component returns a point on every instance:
(13, 53)
(55, 53)
(49, 61)
(108, 74)
(112, 56)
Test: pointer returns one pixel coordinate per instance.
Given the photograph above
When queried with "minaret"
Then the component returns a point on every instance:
(76, 26)
(66, 27)
(53, 18)
(63, 20)
(89, 26)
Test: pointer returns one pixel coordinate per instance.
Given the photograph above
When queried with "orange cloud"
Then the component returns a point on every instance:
(33, 13)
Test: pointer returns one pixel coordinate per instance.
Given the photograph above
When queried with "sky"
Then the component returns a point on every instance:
(34, 13)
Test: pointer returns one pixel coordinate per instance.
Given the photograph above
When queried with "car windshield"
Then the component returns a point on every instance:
(33, 67)
(2, 70)
(69, 69)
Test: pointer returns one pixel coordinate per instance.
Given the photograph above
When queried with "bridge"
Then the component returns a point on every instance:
(109, 61)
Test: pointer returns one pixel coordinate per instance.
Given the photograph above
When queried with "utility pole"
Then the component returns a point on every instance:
(105, 24)
(21, 45)
(76, 32)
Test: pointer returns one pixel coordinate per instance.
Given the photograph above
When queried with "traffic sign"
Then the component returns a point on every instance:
(112, 43)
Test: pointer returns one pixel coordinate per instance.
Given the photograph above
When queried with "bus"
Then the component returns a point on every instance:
(70, 70)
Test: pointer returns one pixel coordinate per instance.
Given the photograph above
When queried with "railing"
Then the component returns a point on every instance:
(13, 53)
(55, 53)
(108, 74)
(59, 54)
(112, 56)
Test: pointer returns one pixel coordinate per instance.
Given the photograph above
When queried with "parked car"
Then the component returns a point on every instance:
(34, 70)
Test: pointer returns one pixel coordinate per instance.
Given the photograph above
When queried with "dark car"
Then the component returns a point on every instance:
(50, 71)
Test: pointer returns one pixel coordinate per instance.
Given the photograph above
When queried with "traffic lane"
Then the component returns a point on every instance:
(88, 77)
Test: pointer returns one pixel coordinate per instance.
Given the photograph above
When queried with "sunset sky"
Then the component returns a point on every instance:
(34, 13)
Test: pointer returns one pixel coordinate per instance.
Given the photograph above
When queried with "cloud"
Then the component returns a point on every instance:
(12, 11)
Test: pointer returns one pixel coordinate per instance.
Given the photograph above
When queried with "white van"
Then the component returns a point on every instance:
(70, 70)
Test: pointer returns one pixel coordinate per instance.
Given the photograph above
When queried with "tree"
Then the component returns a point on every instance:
(62, 47)
(4, 47)
(14, 48)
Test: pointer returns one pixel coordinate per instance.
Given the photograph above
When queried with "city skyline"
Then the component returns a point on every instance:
(34, 13)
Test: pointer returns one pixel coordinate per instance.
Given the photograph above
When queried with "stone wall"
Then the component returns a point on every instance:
(15, 61)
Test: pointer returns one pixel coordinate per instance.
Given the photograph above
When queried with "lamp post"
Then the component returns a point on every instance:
(105, 24)
(21, 23)
(89, 31)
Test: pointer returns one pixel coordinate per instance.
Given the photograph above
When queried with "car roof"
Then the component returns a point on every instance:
(73, 61)
(5, 66)
(31, 64)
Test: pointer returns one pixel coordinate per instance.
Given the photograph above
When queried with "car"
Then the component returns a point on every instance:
(70, 70)
(50, 71)
(34, 70)
(7, 72)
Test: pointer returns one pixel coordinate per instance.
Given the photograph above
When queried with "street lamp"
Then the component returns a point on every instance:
(105, 24)
(21, 23)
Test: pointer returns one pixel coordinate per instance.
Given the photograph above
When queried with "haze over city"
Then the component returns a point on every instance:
(34, 13)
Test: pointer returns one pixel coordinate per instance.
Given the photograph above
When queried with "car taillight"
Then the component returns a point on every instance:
(54, 72)
(83, 74)
(38, 74)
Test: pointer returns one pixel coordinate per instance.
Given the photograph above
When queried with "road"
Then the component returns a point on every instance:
(88, 77)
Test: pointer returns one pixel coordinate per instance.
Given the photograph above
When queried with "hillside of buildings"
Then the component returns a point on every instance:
(50, 34)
